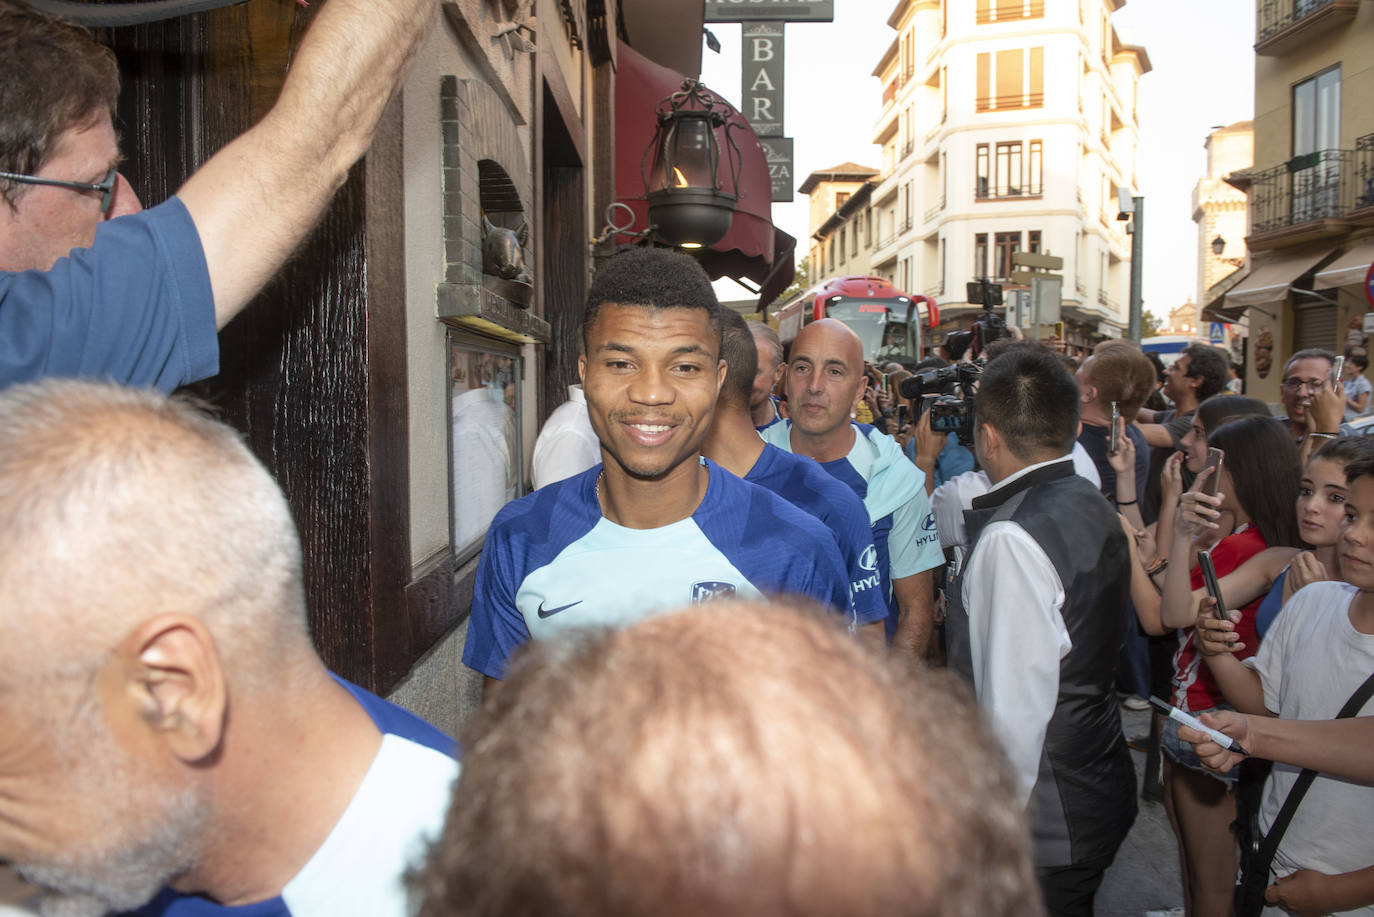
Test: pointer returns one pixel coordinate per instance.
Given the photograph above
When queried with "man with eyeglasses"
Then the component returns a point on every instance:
(1313, 406)
(140, 300)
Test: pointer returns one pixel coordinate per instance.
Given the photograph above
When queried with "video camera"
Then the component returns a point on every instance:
(987, 329)
(948, 392)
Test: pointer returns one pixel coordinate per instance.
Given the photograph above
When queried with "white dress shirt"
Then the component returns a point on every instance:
(567, 445)
(1017, 637)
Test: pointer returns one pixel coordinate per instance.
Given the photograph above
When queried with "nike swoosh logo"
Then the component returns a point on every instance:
(550, 612)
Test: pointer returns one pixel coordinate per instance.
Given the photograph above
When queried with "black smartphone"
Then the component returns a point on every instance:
(1215, 457)
(903, 416)
(1209, 577)
(1116, 431)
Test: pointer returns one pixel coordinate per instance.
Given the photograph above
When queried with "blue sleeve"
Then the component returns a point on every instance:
(850, 523)
(135, 308)
(495, 626)
(952, 461)
(827, 580)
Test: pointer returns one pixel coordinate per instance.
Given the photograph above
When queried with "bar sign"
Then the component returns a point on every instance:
(761, 77)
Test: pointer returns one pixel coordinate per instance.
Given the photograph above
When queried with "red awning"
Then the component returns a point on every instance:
(752, 249)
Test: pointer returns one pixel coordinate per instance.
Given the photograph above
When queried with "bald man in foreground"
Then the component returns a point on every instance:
(713, 761)
(167, 732)
(824, 382)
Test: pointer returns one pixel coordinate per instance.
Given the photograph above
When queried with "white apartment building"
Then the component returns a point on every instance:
(1008, 125)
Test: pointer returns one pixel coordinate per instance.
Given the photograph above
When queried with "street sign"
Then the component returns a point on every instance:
(1216, 333)
(778, 151)
(1367, 325)
(774, 10)
(1047, 298)
(1034, 259)
(1369, 285)
(761, 78)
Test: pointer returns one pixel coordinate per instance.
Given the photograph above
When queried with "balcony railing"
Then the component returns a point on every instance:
(1102, 297)
(1009, 10)
(885, 242)
(1364, 171)
(1009, 102)
(1314, 186)
(1286, 24)
(904, 226)
(983, 191)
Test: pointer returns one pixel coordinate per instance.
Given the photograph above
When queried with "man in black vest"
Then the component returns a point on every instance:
(1035, 622)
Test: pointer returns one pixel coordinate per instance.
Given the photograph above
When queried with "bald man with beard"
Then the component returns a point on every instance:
(824, 382)
(170, 742)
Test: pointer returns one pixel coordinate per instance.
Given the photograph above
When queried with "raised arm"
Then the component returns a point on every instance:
(255, 199)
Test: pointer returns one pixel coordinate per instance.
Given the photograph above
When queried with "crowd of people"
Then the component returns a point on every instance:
(763, 640)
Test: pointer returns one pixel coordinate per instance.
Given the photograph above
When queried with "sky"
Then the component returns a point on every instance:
(1203, 77)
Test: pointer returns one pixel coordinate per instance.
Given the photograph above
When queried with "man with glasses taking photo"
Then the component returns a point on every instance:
(140, 300)
(1314, 406)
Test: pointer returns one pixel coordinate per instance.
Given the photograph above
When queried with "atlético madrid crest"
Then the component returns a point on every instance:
(711, 591)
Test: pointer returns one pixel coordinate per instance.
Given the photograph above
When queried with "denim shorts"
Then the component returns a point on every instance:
(1182, 753)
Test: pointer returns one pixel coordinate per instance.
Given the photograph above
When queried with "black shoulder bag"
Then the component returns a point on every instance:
(1256, 857)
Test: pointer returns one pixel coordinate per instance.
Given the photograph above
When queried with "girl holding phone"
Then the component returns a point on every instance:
(1258, 488)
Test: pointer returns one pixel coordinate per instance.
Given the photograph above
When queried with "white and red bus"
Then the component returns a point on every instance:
(889, 322)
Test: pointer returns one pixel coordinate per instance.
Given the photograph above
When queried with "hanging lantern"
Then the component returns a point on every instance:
(681, 168)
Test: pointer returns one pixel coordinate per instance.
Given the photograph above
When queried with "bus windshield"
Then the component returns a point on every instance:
(882, 337)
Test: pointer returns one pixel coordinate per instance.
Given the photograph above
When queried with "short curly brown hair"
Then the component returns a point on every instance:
(53, 76)
(733, 759)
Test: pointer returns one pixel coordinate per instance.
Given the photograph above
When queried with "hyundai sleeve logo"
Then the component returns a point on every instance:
(869, 559)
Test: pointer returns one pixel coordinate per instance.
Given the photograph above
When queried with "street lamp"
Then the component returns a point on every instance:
(681, 168)
(1219, 246)
(1132, 213)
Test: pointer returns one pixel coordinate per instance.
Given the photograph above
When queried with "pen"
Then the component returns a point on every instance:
(1192, 722)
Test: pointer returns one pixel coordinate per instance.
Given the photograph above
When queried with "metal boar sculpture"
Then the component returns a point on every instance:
(503, 251)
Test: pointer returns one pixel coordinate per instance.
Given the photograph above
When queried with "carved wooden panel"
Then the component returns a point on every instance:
(313, 372)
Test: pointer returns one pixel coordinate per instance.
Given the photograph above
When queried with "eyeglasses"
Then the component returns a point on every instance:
(1311, 385)
(106, 186)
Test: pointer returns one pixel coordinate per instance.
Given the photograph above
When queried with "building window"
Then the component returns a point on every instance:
(942, 267)
(1017, 175)
(842, 245)
(1007, 244)
(854, 238)
(1317, 113)
(1014, 78)
(980, 256)
(1003, 10)
(840, 198)
(868, 227)
(1009, 169)
(1033, 241)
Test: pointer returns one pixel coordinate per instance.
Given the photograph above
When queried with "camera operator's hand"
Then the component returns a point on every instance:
(929, 445)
